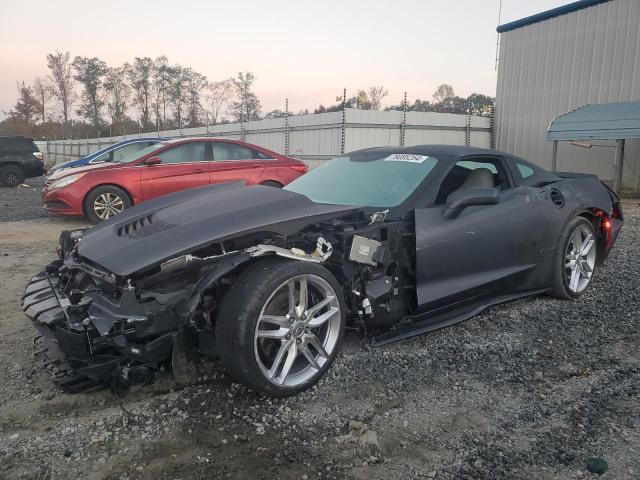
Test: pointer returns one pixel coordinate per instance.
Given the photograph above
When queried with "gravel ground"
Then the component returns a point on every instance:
(530, 389)
(22, 203)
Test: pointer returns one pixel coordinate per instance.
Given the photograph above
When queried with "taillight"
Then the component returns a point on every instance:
(299, 168)
(38, 155)
(606, 230)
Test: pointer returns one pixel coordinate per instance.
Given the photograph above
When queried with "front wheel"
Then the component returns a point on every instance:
(105, 202)
(575, 259)
(280, 326)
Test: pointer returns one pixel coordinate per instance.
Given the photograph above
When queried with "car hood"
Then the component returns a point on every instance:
(63, 172)
(152, 232)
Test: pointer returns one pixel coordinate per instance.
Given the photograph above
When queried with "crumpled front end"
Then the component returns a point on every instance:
(96, 329)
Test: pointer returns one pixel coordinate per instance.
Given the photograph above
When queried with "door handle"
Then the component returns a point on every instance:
(199, 171)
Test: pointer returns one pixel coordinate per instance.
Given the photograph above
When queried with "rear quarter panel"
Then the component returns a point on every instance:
(583, 196)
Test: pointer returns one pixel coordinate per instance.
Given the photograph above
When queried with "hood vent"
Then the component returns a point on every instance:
(557, 198)
(137, 228)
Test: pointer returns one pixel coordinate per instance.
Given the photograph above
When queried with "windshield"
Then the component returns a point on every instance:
(384, 182)
(131, 156)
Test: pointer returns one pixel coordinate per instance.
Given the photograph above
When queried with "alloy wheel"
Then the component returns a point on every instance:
(297, 330)
(107, 204)
(11, 178)
(580, 258)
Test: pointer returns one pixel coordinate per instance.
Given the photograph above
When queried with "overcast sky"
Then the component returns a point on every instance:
(305, 50)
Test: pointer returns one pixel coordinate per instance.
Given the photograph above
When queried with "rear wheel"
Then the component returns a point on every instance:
(280, 327)
(11, 175)
(105, 202)
(575, 259)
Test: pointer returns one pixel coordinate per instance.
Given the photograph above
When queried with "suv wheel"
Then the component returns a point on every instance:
(11, 175)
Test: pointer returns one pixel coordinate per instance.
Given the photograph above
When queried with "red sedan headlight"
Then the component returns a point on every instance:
(66, 181)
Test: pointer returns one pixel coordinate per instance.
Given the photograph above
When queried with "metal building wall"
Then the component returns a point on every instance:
(550, 67)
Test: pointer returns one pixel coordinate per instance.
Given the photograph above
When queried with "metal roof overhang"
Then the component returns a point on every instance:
(602, 121)
(555, 12)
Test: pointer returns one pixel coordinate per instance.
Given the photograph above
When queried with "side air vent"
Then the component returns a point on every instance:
(557, 198)
(136, 226)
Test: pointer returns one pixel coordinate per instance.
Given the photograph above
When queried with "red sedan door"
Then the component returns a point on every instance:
(182, 166)
(234, 162)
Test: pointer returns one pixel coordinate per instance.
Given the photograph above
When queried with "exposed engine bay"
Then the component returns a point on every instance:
(97, 327)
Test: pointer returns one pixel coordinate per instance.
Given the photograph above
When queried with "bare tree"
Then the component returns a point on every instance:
(443, 92)
(161, 80)
(196, 82)
(178, 92)
(246, 107)
(27, 107)
(117, 95)
(219, 95)
(376, 94)
(141, 74)
(62, 81)
(90, 73)
(42, 91)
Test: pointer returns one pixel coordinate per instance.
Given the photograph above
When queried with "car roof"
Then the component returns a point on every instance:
(219, 139)
(138, 139)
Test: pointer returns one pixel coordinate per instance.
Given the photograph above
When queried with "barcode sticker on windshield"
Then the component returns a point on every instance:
(406, 157)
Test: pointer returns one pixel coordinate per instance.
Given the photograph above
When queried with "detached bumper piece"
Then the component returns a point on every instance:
(41, 304)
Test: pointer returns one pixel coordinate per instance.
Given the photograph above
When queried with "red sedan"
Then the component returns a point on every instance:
(102, 190)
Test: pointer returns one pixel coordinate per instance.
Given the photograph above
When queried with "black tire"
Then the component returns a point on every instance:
(12, 175)
(559, 280)
(109, 190)
(237, 320)
(272, 183)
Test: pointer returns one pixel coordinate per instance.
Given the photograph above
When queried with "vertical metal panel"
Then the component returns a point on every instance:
(550, 67)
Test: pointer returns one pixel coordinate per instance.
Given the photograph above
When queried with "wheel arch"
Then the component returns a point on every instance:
(6, 163)
(272, 183)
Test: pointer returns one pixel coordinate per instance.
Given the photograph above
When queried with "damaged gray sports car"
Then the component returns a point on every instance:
(393, 241)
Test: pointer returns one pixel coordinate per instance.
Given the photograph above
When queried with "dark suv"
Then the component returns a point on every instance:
(20, 158)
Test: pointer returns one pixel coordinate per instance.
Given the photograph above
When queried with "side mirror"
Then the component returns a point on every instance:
(153, 161)
(470, 197)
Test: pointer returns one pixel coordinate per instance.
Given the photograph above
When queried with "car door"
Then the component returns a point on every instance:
(181, 166)
(484, 250)
(232, 162)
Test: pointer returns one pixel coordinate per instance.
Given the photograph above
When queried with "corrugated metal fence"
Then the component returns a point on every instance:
(317, 137)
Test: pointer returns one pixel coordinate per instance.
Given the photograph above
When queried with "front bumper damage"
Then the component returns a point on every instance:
(96, 329)
(85, 345)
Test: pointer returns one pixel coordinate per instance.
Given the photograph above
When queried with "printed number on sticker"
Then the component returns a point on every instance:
(406, 157)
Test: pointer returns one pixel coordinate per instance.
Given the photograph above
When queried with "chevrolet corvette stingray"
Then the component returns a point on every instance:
(396, 241)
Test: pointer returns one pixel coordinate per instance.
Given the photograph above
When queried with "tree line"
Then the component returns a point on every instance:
(83, 96)
(444, 98)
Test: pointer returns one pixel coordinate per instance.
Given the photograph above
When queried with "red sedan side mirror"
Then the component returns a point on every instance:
(153, 161)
